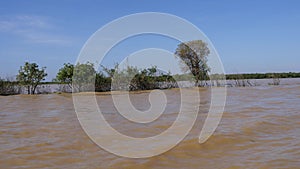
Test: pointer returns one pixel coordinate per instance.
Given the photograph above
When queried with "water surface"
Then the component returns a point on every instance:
(260, 128)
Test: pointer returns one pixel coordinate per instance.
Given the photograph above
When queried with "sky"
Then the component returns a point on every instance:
(250, 36)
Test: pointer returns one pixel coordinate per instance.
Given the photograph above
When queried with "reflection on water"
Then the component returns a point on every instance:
(260, 128)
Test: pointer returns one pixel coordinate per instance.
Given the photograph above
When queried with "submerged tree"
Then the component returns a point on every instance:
(132, 78)
(30, 75)
(194, 54)
(102, 83)
(65, 74)
(84, 77)
(8, 87)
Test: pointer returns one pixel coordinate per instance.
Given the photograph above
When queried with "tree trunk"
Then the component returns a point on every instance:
(34, 87)
(196, 82)
(28, 89)
(70, 86)
(32, 91)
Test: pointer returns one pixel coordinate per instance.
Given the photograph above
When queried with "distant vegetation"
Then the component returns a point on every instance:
(9, 87)
(140, 79)
(193, 56)
(133, 78)
(242, 80)
(263, 75)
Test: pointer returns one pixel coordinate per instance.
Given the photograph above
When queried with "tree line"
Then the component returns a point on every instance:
(193, 54)
(80, 76)
(132, 78)
(263, 75)
(83, 76)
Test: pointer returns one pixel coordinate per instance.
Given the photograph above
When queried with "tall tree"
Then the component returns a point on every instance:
(193, 55)
(30, 75)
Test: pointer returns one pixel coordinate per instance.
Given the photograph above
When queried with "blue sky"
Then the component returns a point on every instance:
(250, 36)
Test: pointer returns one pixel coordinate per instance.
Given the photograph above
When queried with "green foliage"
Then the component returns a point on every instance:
(110, 71)
(8, 87)
(144, 80)
(263, 75)
(84, 74)
(65, 74)
(121, 79)
(30, 75)
(102, 83)
(183, 77)
(193, 55)
(132, 78)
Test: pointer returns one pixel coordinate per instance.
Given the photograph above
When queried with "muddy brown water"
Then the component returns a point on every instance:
(260, 128)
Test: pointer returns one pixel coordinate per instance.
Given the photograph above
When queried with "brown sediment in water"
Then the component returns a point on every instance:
(260, 129)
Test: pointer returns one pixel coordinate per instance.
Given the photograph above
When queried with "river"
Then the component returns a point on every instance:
(260, 128)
